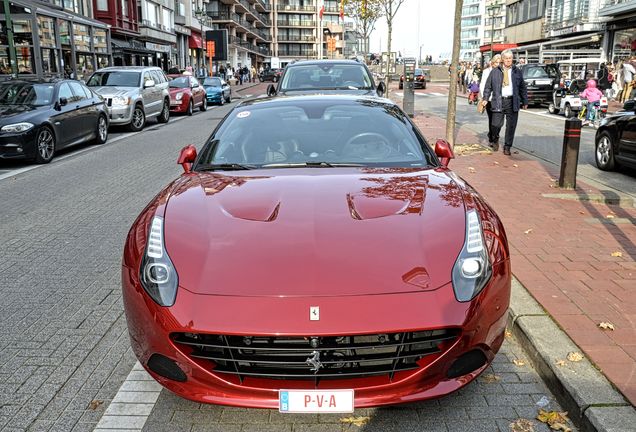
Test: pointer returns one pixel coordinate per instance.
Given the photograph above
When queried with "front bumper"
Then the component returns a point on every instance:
(178, 106)
(481, 325)
(214, 97)
(18, 146)
(120, 114)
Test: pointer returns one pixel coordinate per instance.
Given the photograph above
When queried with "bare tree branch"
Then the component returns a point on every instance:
(365, 14)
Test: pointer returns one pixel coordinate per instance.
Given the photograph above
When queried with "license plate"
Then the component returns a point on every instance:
(542, 82)
(315, 401)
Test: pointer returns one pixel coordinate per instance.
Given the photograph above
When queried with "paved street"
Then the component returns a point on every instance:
(64, 349)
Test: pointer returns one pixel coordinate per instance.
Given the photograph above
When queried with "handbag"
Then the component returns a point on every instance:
(481, 106)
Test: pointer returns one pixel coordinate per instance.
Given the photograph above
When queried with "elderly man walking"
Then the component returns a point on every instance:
(507, 92)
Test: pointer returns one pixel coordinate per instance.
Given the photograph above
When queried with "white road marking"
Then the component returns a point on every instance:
(133, 403)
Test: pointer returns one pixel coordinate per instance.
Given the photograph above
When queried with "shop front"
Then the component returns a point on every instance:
(51, 43)
(620, 31)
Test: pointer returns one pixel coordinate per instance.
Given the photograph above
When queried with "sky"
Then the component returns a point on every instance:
(435, 19)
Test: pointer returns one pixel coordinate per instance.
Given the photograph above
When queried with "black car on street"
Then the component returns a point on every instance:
(540, 80)
(270, 75)
(39, 117)
(616, 139)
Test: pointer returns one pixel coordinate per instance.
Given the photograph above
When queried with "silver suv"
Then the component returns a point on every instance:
(132, 94)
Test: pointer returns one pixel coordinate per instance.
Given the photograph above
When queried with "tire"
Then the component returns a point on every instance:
(138, 119)
(165, 113)
(275, 79)
(204, 105)
(400, 86)
(229, 98)
(424, 86)
(604, 152)
(568, 111)
(102, 130)
(552, 109)
(44, 146)
(190, 110)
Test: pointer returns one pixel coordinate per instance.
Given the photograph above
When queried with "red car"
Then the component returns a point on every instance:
(316, 256)
(186, 94)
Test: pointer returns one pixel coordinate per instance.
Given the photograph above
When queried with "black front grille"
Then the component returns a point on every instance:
(313, 358)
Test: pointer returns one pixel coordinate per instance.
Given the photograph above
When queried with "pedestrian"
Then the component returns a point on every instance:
(462, 78)
(486, 103)
(473, 89)
(592, 95)
(509, 94)
(253, 74)
(222, 72)
(628, 78)
(603, 78)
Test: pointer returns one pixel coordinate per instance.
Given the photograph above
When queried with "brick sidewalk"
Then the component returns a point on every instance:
(562, 250)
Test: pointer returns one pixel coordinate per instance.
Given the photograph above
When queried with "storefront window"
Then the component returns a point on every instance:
(624, 44)
(102, 5)
(99, 40)
(46, 26)
(26, 62)
(5, 65)
(49, 61)
(85, 66)
(22, 32)
(81, 37)
(4, 40)
(65, 32)
(102, 61)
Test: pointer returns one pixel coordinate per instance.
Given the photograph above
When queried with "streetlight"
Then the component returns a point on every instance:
(492, 10)
(200, 13)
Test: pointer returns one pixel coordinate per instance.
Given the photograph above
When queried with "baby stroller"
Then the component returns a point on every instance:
(473, 96)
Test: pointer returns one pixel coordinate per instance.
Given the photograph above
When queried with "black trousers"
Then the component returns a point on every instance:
(491, 134)
(511, 116)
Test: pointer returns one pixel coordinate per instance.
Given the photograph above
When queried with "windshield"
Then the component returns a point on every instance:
(114, 79)
(212, 82)
(326, 77)
(318, 132)
(180, 82)
(20, 93)
(540, 72)
(419, 72)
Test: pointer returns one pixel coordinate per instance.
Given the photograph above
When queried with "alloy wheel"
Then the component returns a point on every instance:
(138, 118)
(46, 146)
(604, 152)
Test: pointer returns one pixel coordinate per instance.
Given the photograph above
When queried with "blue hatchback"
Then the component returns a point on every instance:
(217, 90)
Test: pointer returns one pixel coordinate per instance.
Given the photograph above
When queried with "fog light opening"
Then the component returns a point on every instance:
(467, 363)
(165, 367)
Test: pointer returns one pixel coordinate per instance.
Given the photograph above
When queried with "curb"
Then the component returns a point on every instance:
(590, 399)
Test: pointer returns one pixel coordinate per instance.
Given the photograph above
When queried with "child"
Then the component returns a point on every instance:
(592, 94)
(474, 91)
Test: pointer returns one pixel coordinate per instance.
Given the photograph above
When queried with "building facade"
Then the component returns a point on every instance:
(472, 29)
(620, 35)
(52, 39)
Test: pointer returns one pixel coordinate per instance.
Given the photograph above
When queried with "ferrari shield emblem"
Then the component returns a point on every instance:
(314, 313)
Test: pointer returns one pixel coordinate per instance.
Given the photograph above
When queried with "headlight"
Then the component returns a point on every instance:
(473, 269)
(121, 100)
(17, 127)
(157, 274)
(179, 96)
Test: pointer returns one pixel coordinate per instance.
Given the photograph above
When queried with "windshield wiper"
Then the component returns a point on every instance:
(311, 165)
(225, 167)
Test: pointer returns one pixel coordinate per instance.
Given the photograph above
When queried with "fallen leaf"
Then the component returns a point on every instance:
(606, 326)
(610, 216)
(515, 165)
(519, 362)
(555, 419)
(617, 254)
(490, 378)
(575, 356)
(522, 425)
(508, 333)
(95, 404)
(528, 231)
(358, 420)
(496, 163)
(560, 362)
(581, 212)
(471, 169)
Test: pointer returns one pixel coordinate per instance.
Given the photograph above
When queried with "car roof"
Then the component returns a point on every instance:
(321, 62)
(293, 100)
(128, 68)
(52, 81)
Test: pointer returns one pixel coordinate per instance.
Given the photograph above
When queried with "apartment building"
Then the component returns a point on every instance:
(472, 29)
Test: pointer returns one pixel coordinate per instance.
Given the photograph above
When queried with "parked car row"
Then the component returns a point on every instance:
(40, 117)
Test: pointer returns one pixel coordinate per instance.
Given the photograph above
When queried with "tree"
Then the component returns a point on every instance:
(454, 70)
(389, 10)
(365, 13)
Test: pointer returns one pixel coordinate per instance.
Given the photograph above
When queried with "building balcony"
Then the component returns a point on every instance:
(295, 38)
(296, 23)
(296, 53)
(282, 7)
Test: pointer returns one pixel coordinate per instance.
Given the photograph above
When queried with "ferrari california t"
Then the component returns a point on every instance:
(317, 255)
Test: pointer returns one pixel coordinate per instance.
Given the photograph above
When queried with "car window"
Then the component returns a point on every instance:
(546, 71)
(114, 79)
(212, 82)
(156, 76)
(87, 92)
(194, 82)
(23, 93)
(358, 132)
(148, 77)
(65, 92)
(179, 82)
(78, 92)
(326, 76)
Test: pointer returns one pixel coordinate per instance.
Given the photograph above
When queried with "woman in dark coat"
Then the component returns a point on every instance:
(603, 78)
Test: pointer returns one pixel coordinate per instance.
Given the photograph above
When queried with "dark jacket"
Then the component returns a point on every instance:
(494, 84)
(603, 80)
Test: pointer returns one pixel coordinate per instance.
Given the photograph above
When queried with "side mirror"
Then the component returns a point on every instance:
(63, 101)
(271, 90)
(149, 83)
(629, 105)
(187, 157)
(381, 89)
(444, 152)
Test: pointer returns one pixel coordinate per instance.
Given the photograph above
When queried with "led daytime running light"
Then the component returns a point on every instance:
(155, 241)
(474, 240)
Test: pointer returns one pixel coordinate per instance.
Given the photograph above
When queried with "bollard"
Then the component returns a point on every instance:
(570, 155)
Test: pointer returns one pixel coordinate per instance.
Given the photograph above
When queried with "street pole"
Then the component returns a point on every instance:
(492, 28)
(13, 58)
(452, 91)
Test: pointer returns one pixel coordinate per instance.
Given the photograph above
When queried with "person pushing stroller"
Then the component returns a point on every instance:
(473, 88)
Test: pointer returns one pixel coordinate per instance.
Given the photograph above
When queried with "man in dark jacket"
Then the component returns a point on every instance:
(509, 94)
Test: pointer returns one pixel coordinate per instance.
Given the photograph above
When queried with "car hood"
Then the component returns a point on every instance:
(371, 92)
(108, 91)
(17, 113)
(210, 89)
(174, 90)
(307, 232)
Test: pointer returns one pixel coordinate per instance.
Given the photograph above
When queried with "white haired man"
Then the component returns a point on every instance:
(508, 93)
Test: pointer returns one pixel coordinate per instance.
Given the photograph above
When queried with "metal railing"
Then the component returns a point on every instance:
(295, 38)
(283, 7)
(296, 23)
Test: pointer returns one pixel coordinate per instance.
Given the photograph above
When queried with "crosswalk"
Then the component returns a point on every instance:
(431, 94)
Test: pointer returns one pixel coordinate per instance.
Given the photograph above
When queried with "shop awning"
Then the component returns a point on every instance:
(124, 45)
(194, 41)
(498, 47)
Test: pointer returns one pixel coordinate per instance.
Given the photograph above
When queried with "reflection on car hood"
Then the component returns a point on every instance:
(17, 113)
(326, 92)
(113, 91)
(315, 232)
(211, 89)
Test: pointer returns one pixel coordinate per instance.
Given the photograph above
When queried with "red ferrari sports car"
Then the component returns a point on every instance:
(186, 94)
(317, 255)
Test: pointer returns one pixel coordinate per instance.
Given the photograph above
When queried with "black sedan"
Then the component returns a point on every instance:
(616, 139)
(39, 117)
(270, 75)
